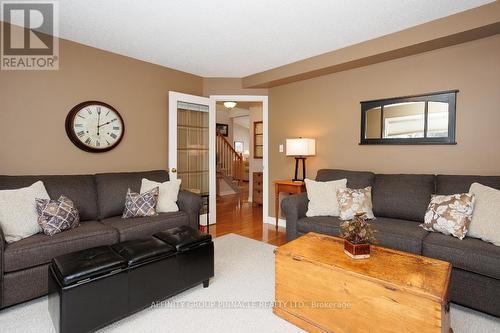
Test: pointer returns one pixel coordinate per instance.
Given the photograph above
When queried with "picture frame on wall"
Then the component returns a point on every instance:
(222, 129)
(238, 146)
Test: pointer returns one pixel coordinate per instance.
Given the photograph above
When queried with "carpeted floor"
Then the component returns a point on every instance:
(239, 299)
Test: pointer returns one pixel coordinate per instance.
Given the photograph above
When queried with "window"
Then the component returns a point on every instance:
(422, 119)
(258, 137)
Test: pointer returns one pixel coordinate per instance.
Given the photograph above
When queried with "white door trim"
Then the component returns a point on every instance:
(265, 160)
(173, 98)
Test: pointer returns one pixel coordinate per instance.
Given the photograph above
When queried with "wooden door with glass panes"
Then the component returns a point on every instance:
(189, 144)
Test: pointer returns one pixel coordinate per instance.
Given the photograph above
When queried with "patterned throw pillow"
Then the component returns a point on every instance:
(55, 216)
(449, 214)
(141, 205)
(355, 201)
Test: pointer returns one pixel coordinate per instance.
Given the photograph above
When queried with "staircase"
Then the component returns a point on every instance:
(229, 165)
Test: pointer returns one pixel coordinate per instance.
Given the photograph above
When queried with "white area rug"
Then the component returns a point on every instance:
(239, 299)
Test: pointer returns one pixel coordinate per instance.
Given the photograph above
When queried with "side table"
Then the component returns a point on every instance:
(286, 186)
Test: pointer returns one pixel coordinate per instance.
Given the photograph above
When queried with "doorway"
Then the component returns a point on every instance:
(193, 149)
(242, 128)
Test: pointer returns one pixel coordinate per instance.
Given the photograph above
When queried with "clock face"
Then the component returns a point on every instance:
(95, 126)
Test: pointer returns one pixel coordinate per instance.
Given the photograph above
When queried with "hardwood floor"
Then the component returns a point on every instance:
(236, 215)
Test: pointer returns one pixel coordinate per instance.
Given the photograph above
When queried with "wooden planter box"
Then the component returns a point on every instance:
(356, 251)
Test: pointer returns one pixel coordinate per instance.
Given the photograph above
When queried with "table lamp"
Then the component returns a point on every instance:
(300, 148)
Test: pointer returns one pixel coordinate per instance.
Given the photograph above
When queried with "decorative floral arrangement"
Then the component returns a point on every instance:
(357, 230)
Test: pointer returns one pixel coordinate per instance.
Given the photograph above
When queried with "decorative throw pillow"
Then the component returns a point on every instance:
(141, 205)
(449, 214)
(55, 216)
(167, 197)
(355, 201)
(485, 222)
(323, 197)
(18, 216)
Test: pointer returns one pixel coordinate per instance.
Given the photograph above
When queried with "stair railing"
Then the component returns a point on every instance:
(229, 161)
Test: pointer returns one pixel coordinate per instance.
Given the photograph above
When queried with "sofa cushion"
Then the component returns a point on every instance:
(112, 189)
(469, 254)
(355, 179)
(39, 249)
(328, 225)
(143, 227)
(402, 196)
(79, 188)
(397, 234)
(475, 291)
(402, 235)
(450, 184)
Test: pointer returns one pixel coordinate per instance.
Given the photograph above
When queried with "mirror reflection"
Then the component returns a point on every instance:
(404, 120)
(373, 124)
(437, 122)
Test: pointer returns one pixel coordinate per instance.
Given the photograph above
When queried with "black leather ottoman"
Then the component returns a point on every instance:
(152, 271)
(87, 289)
(195, 254)
(91, 288)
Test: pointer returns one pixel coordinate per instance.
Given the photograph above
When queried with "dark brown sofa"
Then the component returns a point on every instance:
(399, 204)
(100, 200)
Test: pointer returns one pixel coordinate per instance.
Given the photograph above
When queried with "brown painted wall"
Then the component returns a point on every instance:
(228, 86)
(327, 108)
(34, 104)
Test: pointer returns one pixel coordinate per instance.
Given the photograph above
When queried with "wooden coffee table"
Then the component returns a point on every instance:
(320, 289)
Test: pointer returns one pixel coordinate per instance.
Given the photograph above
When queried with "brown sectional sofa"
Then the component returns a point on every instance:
(100, 200)
(399, 204)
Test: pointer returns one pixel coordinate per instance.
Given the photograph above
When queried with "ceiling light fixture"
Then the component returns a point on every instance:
(230, 105)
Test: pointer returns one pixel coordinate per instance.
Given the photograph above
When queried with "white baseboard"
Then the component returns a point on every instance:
(272, 220)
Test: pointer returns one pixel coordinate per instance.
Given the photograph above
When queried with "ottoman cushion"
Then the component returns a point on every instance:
(77, 266)
(183, 238)
(138, 251)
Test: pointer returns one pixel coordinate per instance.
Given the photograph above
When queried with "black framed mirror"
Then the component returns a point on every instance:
(411, 120)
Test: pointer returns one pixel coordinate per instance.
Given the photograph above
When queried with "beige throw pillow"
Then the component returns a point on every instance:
(485, 222)
(449, 214)
(323, 197)
(169, 191)
(18, 215)
(355, 201)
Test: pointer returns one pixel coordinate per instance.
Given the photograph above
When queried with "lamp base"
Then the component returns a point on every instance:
(296, 179)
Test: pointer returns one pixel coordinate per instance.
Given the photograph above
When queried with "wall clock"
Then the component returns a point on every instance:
(95, 126)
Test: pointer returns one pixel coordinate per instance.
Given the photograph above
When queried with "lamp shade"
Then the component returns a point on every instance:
(300, 147)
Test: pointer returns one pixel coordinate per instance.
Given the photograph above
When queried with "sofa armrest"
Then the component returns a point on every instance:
(2, 246)
(294, 207)
(190, 203)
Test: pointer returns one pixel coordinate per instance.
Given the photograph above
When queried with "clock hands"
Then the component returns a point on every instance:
(109, 122)
(98, 120)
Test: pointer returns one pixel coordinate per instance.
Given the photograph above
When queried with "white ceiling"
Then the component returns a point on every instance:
(236, 38)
